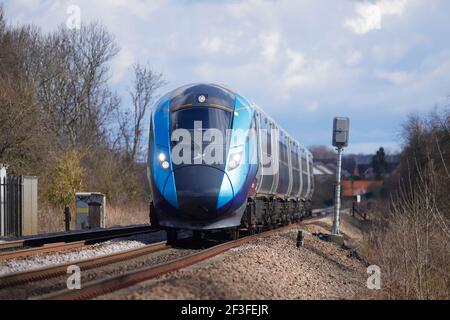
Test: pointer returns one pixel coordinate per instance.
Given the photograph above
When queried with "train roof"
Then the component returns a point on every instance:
(182, 95)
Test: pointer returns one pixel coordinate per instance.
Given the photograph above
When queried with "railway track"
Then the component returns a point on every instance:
(60, 242)
(96, 288)
(61, 269)
(27, 281)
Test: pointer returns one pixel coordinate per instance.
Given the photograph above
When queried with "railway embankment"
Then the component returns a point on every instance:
(270, 268)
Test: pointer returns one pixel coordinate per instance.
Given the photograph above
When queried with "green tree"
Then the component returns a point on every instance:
(379, 164)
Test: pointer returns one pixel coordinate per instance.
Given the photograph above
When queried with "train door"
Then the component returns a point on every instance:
(308, 175)
(305, 178)
(259, 151)
(266, 153)
(283, 172)
(295, 165)
(300, 165)
(275, 139)
(253, 157)
(289, 147)
(311, 175)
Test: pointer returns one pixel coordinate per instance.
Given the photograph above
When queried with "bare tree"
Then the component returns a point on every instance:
(2, 20)
(20, 119)
(321, 152)
(18, 125)
(142, 93)
(410, 241)
(72, 83)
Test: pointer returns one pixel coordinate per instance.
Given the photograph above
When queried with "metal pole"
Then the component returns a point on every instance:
(337, 200)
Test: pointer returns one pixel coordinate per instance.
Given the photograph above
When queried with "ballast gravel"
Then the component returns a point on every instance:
(271, 268)
(88, 252)
(39, 288)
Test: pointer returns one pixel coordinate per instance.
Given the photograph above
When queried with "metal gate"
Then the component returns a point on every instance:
(11, 206)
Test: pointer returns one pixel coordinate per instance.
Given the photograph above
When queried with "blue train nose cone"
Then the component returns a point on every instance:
(198, 188)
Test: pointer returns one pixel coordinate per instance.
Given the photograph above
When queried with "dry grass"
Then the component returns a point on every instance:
(411, 246)
(52, 220)
(122, 215)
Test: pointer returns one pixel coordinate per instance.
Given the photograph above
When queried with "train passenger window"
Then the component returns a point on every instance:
(304, 182)
(304, 165)
(283, 152)
(280, 147)
(294, 157)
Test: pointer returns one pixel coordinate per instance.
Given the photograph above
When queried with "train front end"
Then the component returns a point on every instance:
(201, 160)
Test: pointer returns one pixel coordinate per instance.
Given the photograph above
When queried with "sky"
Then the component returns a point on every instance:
(302, 61)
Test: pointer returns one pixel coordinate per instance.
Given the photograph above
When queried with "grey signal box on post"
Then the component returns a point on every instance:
(340, 131)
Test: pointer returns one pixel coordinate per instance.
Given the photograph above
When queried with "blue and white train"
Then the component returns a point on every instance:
(264, 180)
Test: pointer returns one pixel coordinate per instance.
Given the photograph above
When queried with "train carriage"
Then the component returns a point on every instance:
(217, 161)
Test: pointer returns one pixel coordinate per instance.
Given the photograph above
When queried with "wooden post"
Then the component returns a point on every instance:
(67, 218)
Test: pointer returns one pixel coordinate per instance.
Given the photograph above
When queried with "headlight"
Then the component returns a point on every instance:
(235, 160)
(162, 161)
(165, 165)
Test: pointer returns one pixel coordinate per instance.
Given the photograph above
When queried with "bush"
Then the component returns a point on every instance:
(409, 237)
(66, 179)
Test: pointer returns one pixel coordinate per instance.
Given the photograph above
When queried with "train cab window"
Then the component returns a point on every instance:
(209, 117)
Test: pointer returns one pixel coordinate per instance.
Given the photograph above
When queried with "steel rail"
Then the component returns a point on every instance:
(61, 246)
(46, 248)
(100, 287)
(91, 236)
(16, 278)
(11, 245)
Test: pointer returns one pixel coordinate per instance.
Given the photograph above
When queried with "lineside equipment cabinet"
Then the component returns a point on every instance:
(18, 206)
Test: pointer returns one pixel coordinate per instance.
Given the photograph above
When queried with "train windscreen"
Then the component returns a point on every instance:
(209, 118)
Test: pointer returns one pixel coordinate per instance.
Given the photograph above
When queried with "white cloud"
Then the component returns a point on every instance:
(212, 45)
(394, 77)
(270, 43)
(303, 73)
(313, 106)
(370, 14)
(279, 56)
(122, 64)
(296, 64)
(388, 52)
(369, 19)
(354, 58)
